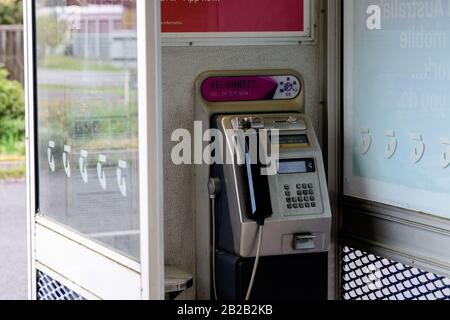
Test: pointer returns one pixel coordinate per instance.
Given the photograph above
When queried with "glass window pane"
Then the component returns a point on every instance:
(88, 119)
(397, 111)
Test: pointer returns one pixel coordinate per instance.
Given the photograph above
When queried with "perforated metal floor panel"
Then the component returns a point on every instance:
(369, 277)
(50, 289)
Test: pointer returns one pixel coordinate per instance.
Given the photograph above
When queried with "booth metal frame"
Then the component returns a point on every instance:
(145, 280)
(120, 277)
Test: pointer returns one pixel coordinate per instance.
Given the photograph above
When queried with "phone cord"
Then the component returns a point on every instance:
(255, 267)
(213, 211)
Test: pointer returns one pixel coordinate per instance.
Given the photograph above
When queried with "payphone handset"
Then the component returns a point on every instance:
(258, 187)
(249, 148)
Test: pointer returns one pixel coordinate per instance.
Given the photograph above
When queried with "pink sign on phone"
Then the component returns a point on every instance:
(251, 88)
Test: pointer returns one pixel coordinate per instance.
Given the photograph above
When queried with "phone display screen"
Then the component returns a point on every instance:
(296, 166)
(294, 139)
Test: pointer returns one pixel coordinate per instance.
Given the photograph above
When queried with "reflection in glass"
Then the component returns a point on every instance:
(88, 118)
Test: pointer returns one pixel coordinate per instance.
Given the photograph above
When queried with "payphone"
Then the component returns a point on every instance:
(270, 216)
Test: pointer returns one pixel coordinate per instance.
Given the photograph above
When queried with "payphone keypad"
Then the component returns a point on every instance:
(302, 196)
(296, 190)
(297, 194)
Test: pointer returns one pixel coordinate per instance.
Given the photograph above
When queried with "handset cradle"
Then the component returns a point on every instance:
(258, 187)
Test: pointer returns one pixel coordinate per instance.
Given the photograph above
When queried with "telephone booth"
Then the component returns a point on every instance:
(95, 151)
(115, 89)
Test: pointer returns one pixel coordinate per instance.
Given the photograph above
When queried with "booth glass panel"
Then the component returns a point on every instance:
(396, 74)
(87, 114)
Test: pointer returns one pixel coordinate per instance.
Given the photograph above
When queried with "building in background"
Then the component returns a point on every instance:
(97, 31)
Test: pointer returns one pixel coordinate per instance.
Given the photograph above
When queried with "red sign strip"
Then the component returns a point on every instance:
(184, 16)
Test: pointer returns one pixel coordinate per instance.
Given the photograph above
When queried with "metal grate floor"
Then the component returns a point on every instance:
(368, 277)
(50, 289)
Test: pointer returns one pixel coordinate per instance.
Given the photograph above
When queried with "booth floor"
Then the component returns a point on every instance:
(13, 241)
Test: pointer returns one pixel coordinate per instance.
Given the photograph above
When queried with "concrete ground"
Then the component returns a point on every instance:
(13, 241)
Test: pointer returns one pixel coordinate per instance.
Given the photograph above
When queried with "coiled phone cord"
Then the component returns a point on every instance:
(214, 189)
(255, 267)
(258, 253)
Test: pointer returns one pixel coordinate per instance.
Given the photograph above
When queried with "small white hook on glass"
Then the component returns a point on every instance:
(120, 178)
(83, 166)
(366, 140)
(66, 161)
(419, 148)
(101, 172)
(391, 148)
(51, 158)
(445, 161)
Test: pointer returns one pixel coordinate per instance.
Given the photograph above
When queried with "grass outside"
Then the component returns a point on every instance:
(11, 146)
(12, 160)
(117, 91)
(55, 62)
(12, 128)
(12, 167)
(13, 174)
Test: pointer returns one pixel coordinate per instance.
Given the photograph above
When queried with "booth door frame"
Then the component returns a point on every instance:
(120, 277)
(350, 214)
